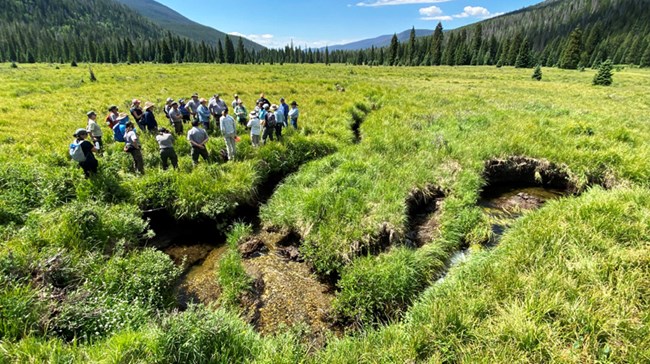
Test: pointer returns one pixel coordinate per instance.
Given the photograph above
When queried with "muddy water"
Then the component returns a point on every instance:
(291, 293)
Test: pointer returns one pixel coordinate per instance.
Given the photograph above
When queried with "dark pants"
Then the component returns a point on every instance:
(178, 127)
(138, 162)
(268, 133)
(168, 154)
(196, 152)
(278, 131)
(89, 167)
(99, 143)
(294, 123)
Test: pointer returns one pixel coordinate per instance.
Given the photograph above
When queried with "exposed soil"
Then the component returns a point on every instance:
(523, 171)
(423, 210)
(290, 293)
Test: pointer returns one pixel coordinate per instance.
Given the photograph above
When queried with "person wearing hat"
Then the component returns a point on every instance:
(193, 105)
(168, 105)
(263, 100)
(256, 128)
(182, 106)
(285, 110)
(133, 147)
(268, 122)
(203, 113)
(94, 130)
(294, 113)
(89, 164)
(165, 141)
(198, 138)
(111, 118)
(229, 132)
(235, 102)
(279, 121)
(137, 113)
(217, 106)
(241, 113)
(176, 118)
(119, 130)
(149, 119)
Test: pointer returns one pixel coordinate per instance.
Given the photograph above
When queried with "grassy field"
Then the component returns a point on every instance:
(568, 283)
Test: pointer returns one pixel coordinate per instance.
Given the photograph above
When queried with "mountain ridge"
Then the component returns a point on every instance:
(378, 42)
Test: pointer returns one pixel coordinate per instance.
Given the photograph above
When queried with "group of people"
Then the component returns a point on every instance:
(264, 121)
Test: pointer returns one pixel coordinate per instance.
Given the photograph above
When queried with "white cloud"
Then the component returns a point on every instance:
(475, 12)
(431, 11)
(399, 2)
(438, 18)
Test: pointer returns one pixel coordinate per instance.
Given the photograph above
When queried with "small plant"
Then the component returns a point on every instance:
(13, 65)
(499, 64)
(73, 64)
(92, 75)
(604, 75)
(537, 74)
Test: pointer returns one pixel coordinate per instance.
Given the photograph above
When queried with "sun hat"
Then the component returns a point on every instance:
(253, 113)
(266, 106)
(122, 116)
(236, 95)
(180, 101)
(293, 103)
(169, 99)
(80, 131)
(281, 98)
(195, 94)
(91, 113)
(135, 101)
(240, 101)
(148, 105)
(112, 107)
(202, 100)
(274, 107)
(174, 103)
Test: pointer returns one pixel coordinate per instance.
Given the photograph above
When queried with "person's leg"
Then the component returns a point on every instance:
(255, 140)
(99, 144)
(278, 131)
(164, 156)
(204, 154)
(294, 123)
(230, 141)
(178, 126)
(195, 155)
(138, 162)
(174, 158)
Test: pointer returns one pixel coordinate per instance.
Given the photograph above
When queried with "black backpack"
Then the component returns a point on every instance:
(270, 119)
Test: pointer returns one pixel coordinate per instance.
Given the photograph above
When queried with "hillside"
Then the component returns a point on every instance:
(379, 42)
(171, 20)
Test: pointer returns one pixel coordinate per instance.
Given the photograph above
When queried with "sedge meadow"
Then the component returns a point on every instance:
(568, 282)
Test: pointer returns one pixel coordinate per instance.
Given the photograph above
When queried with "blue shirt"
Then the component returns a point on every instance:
(227, 125)
(149, 120)
(204, 113)
(285, 110)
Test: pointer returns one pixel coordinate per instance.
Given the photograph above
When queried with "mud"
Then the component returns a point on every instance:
(423, 211)
(290, 294)
(526, 172)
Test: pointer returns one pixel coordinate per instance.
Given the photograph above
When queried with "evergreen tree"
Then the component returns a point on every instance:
(393, 52)
(645, 58)
(604, 75)
(220, 56)
(327, 56)
(436, 45)
(166, 55)
(571, 54)
(537, 74)
(240, 54)
(229, 50)
(524, 58)
(513, 51)
(412, 49)
(477, 40)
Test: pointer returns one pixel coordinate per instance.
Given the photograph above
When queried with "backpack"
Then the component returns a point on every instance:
(270, 120)
(118, 132)
(76, 153)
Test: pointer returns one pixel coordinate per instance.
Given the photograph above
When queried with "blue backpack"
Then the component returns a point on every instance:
(119, 130)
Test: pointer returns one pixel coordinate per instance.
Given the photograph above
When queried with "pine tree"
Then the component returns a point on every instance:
(537, 74)
(524, 57)
(166, 55)
(412, 49)
(240, 54)
(14, 65)
(571, 54)
(436, 45)
(645, 58)
(393, 53)
(229, 50)
(327, 56)
(513, 51)
(220, 56)
(604, 75)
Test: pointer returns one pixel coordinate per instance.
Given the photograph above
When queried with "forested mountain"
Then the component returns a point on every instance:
(379, 42)
(98, 31)
(171, 20)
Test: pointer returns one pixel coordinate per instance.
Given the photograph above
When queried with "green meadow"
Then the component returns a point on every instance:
(568, 282)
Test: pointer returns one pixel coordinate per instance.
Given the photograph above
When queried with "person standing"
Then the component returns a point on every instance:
(263, 100)
(217, 106)
(193, 106)
(235, 102)
(168, 105)
(294, 113)
(149, 119)
(182, 106)
(133, 147)
(165, 141)
(256, 128)
(111, 118)
(94, 130)
(198, 138)
(241, 112)
(176, 118)
(81, 151)
(268, 122)
(229, 132)
(279, 121)
(204, 114)
(137, 113)
(285, 111)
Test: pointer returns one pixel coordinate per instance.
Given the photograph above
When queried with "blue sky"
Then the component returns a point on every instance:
(315, 23)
